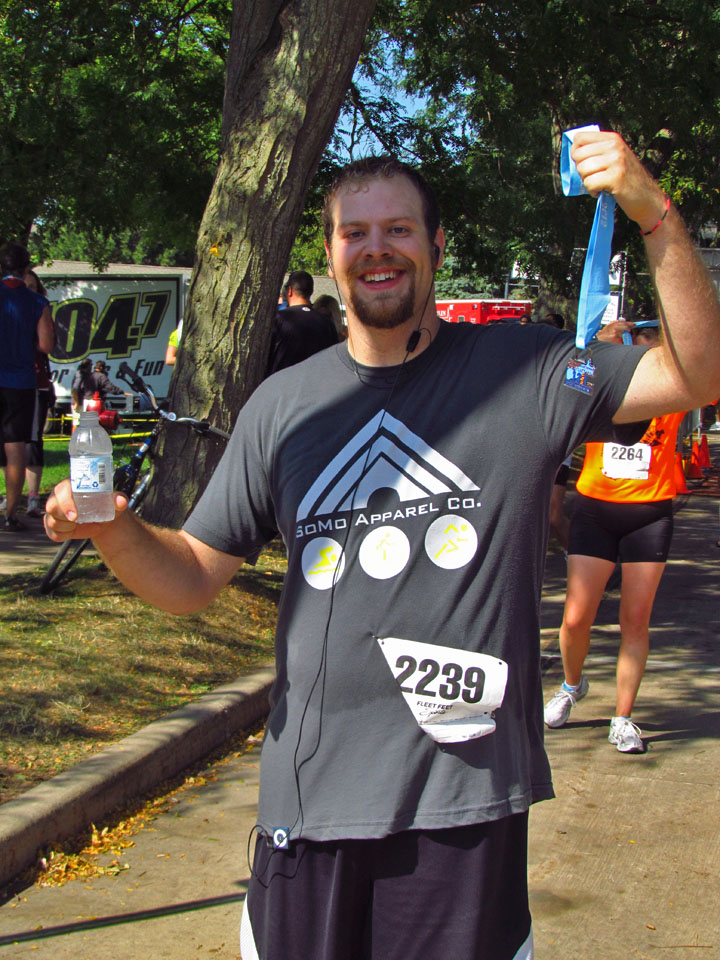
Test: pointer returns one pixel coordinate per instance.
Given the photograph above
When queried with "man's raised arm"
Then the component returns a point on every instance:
(684, 371)
(169, 568)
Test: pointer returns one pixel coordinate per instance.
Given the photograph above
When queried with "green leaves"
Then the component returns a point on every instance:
(110, 130)
(503, 79)
(112, 119)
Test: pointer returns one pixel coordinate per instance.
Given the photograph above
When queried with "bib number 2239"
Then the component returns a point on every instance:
(452, 693)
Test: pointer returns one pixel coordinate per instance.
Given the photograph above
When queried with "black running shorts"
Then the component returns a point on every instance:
(561, 477)
(628, 532)
(34, 454)
(16, 414)
(459, 893)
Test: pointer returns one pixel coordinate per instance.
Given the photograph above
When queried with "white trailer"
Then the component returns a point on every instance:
(124, 313)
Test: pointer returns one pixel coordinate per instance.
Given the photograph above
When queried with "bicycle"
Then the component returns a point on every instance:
(132, 478)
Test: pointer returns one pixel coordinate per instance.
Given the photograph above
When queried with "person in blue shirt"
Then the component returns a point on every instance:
(25, 326)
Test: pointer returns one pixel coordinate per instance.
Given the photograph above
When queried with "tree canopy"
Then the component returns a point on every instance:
(111, 131)
(116, 115)
(502, 80)
(111, 123)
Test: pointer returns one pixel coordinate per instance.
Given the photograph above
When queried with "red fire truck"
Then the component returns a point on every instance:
(482, 311)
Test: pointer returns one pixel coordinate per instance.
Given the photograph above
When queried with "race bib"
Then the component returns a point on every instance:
(452, 693)
(626, 463)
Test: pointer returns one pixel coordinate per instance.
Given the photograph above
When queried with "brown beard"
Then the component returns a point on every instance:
(384, 316)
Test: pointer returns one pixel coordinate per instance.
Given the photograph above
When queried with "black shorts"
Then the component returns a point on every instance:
(561, 477)
(16, 414)
(459, 893)
(628, 532)
(35, 456)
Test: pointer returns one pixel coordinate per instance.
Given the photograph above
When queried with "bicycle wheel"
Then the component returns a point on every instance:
(61, 564)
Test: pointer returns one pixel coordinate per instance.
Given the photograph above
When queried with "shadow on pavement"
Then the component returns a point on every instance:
(111, 921)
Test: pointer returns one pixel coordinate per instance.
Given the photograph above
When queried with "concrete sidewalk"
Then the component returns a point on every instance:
(64, 806)
(177, 893)
(623, 864)
(28, 549)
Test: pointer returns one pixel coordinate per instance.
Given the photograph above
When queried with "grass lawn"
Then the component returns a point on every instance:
(92, 664)
(57, 465)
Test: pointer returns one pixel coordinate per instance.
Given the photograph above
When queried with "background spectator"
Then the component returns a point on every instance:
(299, 331)
(329, 306)
(44, 401)
(25, 326)
(173, 344)
(86, 384)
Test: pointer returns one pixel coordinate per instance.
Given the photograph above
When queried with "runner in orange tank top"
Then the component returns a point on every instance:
(623, 512)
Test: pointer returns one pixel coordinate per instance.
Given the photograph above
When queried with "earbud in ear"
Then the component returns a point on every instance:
(436, 251)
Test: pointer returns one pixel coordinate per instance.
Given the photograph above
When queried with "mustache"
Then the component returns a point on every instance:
(371, 265)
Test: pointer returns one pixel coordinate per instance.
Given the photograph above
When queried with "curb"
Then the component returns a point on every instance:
(62, 807)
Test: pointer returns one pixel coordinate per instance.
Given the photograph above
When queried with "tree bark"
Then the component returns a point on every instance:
(289, 65)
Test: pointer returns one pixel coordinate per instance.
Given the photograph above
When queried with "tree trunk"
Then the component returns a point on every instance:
(289, 65)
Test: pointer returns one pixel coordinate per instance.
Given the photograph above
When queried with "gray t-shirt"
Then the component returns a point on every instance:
(413, 502)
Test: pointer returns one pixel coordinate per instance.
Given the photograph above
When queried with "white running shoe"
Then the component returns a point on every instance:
(557, 710)
(625, 735)
(33, 508)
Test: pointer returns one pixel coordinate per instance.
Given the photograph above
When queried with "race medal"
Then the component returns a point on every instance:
(595, 284)
(626, 463)
(452, 693)
(579, 375)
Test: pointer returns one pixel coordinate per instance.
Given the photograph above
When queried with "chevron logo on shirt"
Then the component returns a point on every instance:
(386, 456)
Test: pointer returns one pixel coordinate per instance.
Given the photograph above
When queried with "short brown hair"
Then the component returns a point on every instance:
(372, 168)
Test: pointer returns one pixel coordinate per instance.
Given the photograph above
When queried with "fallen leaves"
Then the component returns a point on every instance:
(59, 866)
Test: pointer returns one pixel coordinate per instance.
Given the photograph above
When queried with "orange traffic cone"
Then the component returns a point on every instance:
(680, 485)
(704, 452)
(693, 471)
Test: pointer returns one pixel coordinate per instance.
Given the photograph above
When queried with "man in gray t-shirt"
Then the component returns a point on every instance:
(408, 472)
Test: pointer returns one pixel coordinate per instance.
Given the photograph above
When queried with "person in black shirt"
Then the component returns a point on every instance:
(299, 331)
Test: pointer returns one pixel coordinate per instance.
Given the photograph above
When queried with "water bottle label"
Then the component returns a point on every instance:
(91, 474)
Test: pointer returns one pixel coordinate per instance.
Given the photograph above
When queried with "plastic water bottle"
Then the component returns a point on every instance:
(91, 470)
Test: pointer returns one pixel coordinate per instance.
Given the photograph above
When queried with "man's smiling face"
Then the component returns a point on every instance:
(382, 257)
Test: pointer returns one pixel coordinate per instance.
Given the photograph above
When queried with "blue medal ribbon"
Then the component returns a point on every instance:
(595, 285)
